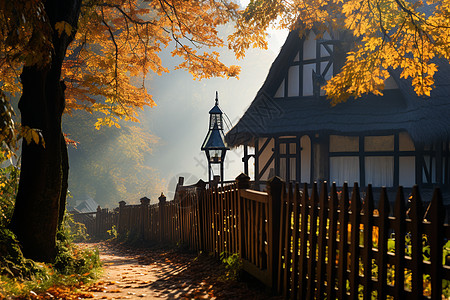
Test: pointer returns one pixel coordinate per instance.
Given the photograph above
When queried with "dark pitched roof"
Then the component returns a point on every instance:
(88, 205)
(215, 110)
(426, 119)
(214, 139)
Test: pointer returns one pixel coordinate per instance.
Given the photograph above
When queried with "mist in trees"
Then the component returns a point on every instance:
(111, 164)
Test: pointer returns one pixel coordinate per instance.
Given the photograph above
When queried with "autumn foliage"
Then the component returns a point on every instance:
(117, 43)
(407, 36)
(115, 46)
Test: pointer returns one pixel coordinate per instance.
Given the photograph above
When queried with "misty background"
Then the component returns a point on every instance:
(146, 158)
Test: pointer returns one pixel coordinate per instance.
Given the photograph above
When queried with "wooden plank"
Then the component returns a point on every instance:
(262, 234)
(295, 236)
(416, 216)
(399, 229)
(274, 216)
(287, 242)
(210, 221)
(246, 237)
(258, 235)
(266, 246)
(437, 213)
(228, 220)
(249, 226)
(241, 226)
(223, 223)
(257, 196)
(321, 243)
(259, 274)
(224, 232)
(252, 230)
(355, 220)
(206, 223)
(233, 219)
(220, 224)
(282, 235)
(193, 223)
(312, 239)
(342, 245)
(332, 244)
(303, 246)
(367, 221)
(215, 222)
(237, 220)
(383, 235)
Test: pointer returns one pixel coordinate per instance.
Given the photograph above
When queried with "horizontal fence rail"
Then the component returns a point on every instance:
(302, 242)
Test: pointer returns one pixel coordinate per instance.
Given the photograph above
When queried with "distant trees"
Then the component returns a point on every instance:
(111, 164)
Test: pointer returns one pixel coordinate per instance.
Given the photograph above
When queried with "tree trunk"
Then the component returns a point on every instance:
(38, 202)
(65, 180)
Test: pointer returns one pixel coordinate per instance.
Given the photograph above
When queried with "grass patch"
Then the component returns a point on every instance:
(23, 278)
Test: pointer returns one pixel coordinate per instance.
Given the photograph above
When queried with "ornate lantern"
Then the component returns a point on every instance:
(214, 143)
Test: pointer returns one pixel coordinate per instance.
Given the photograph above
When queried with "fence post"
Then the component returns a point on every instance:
(98, 225)
(120, 224)
(275, 187)
(162, 204)
(437, 214)
(144, 216)
(242, 182)
(200, 191)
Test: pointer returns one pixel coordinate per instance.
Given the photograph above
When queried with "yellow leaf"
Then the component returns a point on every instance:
(35, 136)
(63, 26)
(26, 133)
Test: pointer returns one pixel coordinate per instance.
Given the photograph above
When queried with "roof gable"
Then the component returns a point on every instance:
(426, 119)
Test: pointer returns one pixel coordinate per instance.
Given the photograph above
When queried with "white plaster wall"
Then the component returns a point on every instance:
(305, 143)
(309, 46)
(405, 142)
(264, 157)
(307, 79)
(340, 143)
(293, 82)
(407, 171)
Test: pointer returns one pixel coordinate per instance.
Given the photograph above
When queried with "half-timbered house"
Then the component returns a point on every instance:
(390, 140)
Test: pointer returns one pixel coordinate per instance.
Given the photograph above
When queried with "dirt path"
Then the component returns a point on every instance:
(154, 273)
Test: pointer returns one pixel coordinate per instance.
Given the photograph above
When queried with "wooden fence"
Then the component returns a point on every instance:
(307, 245)
(97, 223)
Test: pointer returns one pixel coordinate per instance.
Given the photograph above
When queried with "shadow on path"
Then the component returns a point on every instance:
(162, 273)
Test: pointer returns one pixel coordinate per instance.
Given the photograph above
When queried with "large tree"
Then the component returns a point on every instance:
(86, 54)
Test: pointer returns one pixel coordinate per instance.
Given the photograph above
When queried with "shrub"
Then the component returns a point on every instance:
(233, 264)
(9, 182)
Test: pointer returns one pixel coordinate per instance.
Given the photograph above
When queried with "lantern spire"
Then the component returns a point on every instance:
(214, 144)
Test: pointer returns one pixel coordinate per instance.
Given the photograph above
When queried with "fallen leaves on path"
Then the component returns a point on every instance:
(69, 293)
(158, 273)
